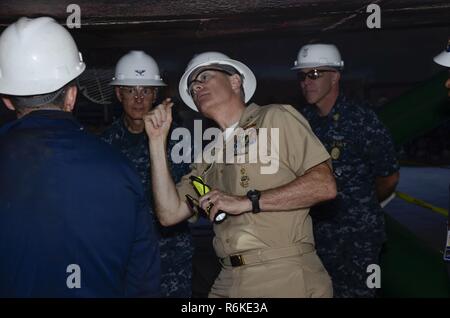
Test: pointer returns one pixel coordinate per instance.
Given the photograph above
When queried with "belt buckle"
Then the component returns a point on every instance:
(236, 260)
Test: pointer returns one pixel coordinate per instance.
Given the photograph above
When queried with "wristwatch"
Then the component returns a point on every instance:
(254, 195)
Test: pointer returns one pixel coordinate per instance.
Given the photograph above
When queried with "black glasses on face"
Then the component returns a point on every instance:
(313, 74)
(203, 78)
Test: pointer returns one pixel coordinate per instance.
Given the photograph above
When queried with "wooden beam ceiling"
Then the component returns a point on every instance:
(116, 21)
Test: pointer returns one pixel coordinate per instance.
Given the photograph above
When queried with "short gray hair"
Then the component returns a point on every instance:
(54, 99)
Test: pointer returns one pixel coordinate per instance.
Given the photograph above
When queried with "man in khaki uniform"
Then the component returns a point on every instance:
(265, 244)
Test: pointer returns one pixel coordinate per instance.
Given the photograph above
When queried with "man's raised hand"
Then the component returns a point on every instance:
(158, 120)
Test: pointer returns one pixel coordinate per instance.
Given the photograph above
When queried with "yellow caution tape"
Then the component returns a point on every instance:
(421, 203)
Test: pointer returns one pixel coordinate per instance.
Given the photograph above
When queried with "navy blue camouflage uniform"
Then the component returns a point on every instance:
(349, 231)
(175, 242)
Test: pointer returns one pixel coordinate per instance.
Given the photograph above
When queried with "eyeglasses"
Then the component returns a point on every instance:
(313, 74)
(201, 188)
(204, 77)
(137, 91)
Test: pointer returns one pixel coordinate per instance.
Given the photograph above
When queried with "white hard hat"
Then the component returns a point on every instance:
(37, 56)
(316, 55)
(216, 59)
(444, 57)
(137, 68)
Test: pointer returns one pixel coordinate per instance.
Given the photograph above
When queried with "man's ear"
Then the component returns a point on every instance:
(336, 77)
(70, 98)
(8, 103)
(236, 82)
(118, 95)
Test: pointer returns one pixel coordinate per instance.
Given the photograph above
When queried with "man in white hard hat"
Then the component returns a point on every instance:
(265, 244)
(349, 230)
(137, 81)
(444, 59)
(74, 220)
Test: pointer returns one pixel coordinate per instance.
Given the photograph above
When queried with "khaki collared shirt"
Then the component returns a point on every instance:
(296, 150)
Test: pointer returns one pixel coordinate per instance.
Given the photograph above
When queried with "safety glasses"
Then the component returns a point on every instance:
(313, 74)
(204, 77)
(201, 189)
(137, 91)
